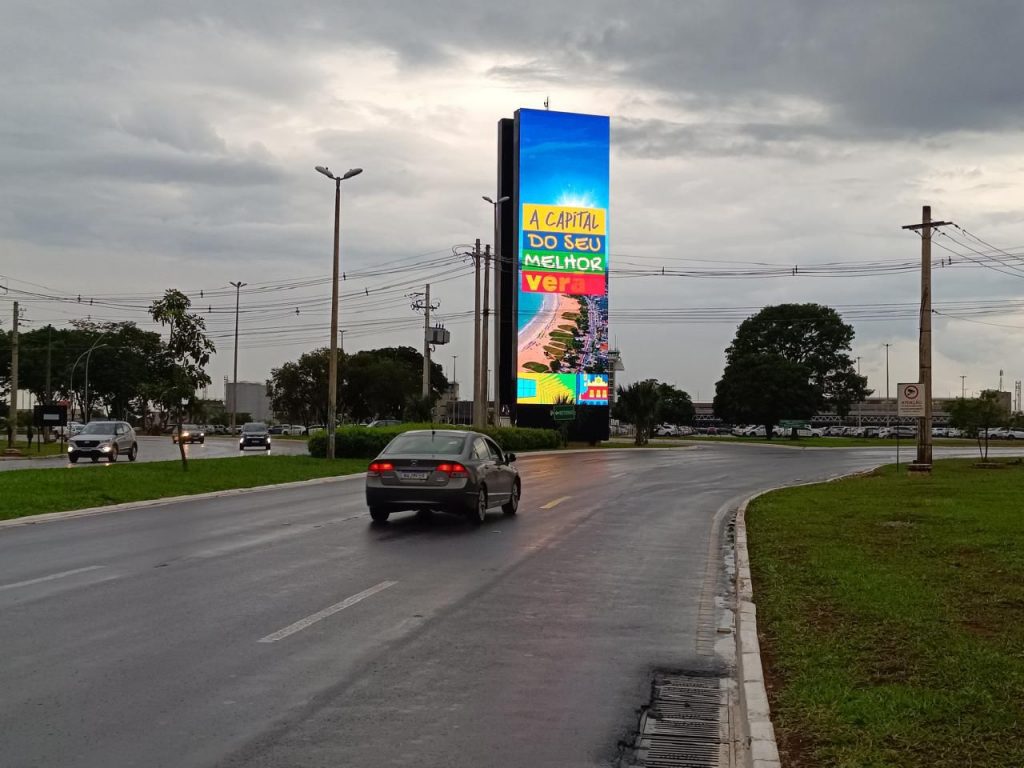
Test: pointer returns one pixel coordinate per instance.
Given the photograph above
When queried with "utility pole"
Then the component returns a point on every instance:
(963, 387)
(49, 361)
(858, 404)
(485, 335)
(477, 399)
(421, 302)
(234, 391)
(426, 343)
(498, 264)
(924, 354)
(12, 417)
(887, 371)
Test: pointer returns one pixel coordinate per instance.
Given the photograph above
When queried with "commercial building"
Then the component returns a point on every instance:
(252, 399)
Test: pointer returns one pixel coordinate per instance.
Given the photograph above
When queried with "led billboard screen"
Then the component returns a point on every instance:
(563, 258)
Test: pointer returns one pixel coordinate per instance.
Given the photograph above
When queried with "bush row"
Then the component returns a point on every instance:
(365, 443)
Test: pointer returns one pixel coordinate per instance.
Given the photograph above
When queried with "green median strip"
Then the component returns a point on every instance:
(37, 491)
(891, 614)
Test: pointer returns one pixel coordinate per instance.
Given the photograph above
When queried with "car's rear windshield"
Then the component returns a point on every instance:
(254, 428)
(98, 428)
(436, 443)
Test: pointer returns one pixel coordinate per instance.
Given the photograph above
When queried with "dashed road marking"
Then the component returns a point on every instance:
(330, 610)
(51, 577)
(556, 502)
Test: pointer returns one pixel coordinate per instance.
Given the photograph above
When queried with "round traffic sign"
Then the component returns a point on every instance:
(910, 392)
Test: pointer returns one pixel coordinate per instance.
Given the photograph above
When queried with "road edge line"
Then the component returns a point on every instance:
(757, 737)
(69, 514)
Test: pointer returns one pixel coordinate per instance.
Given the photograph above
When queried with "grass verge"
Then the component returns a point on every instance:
(37, 449)
(36, 491)
(891, 613)
(830, 442)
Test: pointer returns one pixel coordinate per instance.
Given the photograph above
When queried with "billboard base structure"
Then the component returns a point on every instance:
(591, 424)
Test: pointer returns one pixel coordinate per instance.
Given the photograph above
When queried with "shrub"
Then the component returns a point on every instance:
(365, 443)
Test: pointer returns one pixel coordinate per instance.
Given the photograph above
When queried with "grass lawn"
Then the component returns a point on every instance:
(830, 442)
(35, 491)
(45, 449)
(891, 614)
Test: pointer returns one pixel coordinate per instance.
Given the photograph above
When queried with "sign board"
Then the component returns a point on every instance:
(50, 416)
(563, 412)
(794, 424)
(910, 400)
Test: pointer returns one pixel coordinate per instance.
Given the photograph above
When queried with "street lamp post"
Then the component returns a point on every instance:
(88, 355)
(234, 393)
(71, 383)
(495, 204)
(332, 373)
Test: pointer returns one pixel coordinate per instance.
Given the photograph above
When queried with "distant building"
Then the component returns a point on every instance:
(252, 399)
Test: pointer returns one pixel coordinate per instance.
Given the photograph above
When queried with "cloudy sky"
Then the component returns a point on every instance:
(147, 145)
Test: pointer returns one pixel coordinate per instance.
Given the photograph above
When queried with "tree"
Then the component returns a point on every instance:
(813, 336)
(186, 354)
(764, 389)
(676, 405)
(381, 383)
(298, 391)
(975, 416)
(640, 405)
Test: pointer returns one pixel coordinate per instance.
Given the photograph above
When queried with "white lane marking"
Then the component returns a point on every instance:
(330, 610)
(556, 502)
(51, 577)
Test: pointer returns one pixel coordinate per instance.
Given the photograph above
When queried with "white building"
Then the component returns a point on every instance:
(252, 399)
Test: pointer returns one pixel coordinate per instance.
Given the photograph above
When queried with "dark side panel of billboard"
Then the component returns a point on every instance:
(562, 352)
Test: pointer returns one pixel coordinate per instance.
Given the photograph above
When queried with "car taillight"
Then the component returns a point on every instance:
(377, 467)
(452, 470)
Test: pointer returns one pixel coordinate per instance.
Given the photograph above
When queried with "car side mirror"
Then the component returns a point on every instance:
(509, 458)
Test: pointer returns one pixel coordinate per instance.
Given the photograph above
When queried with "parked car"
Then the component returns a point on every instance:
(190, 433)
(1005, 433)
(254, 435)
(464, 473)
(383, 423)
(902, 431)
(834, 431)
(103, 440)
(277, 429)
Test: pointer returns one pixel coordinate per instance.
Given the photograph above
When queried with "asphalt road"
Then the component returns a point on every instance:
(280, 628)
(162, 449)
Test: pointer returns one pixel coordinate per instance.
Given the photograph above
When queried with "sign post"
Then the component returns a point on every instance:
(909, 402)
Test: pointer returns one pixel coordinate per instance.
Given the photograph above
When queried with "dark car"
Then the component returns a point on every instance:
(254, 435)
(464, 473)
(190, 433)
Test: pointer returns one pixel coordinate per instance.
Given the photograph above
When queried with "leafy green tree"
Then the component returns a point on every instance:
(380, 383)
(639, 404)
(975, 416)
(676, 405)
(186, 354)
(812, 336)
(764, 389)
(298, 390)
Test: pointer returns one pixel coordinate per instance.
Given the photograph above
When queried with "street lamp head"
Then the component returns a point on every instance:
(488, 200)
(503, 199)
(325, 171)
(351, 172)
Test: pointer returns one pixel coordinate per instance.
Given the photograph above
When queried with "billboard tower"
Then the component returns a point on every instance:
(554, 325)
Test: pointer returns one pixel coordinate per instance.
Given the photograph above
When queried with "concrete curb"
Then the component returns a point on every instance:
(757, 736)
(70, 514)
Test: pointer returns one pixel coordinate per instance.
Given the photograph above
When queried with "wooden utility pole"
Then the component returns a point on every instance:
(12, 416)
(924, 355)
(478, 407)
(234, 393)
(485, 333)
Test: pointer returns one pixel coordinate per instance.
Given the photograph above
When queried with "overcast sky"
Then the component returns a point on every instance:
(149, 145)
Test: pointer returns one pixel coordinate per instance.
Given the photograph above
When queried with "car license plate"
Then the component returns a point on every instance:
(413, 475)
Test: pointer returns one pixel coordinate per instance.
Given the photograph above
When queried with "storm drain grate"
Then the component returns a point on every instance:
(682, 727)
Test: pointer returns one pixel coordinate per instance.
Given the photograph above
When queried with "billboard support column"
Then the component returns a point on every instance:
(477, 408)
(485, 332)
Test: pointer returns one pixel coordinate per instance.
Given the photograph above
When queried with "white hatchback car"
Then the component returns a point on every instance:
(104, 440)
